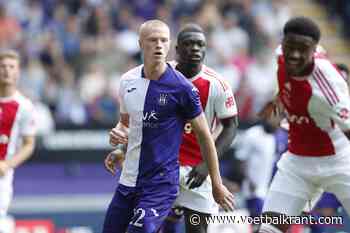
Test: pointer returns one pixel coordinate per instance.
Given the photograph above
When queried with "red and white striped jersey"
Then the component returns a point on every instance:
(317, 108)
(217, 102)
(17, 119)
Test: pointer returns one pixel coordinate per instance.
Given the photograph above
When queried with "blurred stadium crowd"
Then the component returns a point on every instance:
(339, 11)
(75, 50)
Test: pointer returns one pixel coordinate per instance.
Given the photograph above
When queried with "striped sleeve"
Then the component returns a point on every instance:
(335, 93)
(225, 103)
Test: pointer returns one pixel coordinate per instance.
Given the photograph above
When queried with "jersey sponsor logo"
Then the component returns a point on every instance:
(150, 116)
(344, 113)
(298, 119)
(150, 120)
(163, 99)
(229, 102)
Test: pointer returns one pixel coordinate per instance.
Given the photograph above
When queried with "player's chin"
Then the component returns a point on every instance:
(293, 69)
(194, 62)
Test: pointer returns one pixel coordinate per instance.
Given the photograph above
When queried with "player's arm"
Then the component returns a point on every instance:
(340, 114)
(223, 141)
(273, 109)
(115, 159)
(24, 153)
(227, 135)
(347, 132)
(118, 137)
(225, 109)
(336, 103)
(119, 134)
(208, 151)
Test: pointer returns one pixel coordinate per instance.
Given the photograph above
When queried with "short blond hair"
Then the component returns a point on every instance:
(149, 24)
(9, 53)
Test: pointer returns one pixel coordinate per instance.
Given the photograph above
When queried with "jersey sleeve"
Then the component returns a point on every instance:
(28, 121)
(121, 92)
(335, 95)
(225, 104)
(190, 102)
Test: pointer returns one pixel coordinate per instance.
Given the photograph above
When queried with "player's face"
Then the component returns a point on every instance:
(191, 48)
(9, 71)
(155, 43)
(298, 53)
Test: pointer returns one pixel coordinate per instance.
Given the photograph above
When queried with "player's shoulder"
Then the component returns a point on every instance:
(214, 78)
(178, 79)
(133, 73)
(210, 72)
(279, 55)
(278, 51)
(173, 63)
(329, 84)
(23, 101)
(326, 71)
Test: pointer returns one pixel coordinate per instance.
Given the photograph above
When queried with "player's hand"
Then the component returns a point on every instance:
(197, 175)
(113, 160)
(4, 167)
(118, 136)
(268, 110)
(272, 113)
(223, 197)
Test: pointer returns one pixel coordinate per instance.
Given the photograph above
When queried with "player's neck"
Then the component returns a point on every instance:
(6, 91)
(154, 71)
(189, 70)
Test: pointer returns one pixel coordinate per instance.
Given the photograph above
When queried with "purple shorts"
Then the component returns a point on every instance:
(328, 200)
(136, 210)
